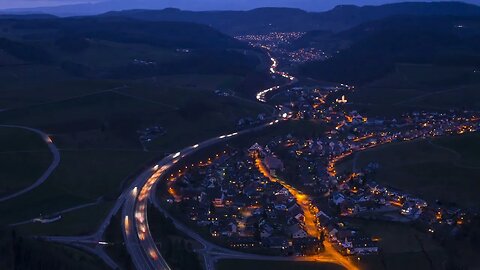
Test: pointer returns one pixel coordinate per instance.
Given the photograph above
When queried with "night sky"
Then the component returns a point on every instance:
(208, 5)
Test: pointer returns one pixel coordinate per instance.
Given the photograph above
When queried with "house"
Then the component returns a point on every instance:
(190, 194)
(347, 208)
(294, 209)
(273, 164)
(332, 231)
(323, 219)
(243, 242)
(338, 198)
(265, 230)
(214, 231)
(307, 245)
(276, 242)
(296, 231)
(407, 209)
(255, 148)
(228, 229)
(359, 245)
(300, 218)
(219, 199)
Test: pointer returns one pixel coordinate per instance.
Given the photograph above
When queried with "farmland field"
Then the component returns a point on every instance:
(444, 169)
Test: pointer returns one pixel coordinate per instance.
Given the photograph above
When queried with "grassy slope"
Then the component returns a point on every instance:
(82, 177)
(446, 169)
(419, 87)
(401, 246)
(99, 146)
(21, 149)
(95, 127)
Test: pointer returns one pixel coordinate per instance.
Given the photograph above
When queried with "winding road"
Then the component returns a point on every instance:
(134, 201)
(138, 239)
(262, 95)
(56, 160)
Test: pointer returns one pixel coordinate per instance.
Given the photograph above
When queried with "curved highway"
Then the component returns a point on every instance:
(138, 239)
(56, 160)
(262, 95)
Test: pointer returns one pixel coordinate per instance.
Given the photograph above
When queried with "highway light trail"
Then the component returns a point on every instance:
(139, 242)
(126, 223)
(261, 96)
(138, 239)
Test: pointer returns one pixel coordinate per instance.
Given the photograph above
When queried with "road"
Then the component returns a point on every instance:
(53, 165)
(85, 243)
(140, 250)
(262, 95)
(134, 201)
(329, 255)
(138, 239)
(137, 236)
(58, 213)
(211, 253)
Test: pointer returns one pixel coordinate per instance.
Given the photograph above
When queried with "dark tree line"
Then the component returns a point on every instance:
(20, 253)
(178, 253)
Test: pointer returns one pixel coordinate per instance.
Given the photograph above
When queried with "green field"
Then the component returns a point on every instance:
(444, 169)
(110, 119)
(20, 140)
(24, 157)
(96, 134)
(92, 95)
(35, 84)
(78, 222)
(419, 87)
(82, 177)
(107, 54)
(231, 264)
(401, 246)
(197, 81)
(94, 123)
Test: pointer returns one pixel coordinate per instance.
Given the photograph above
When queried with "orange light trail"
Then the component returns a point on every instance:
(330, 255)
(363, 138)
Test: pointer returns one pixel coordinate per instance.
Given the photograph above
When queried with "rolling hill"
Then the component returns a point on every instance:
(371, 50)
(263, 20)
(128, 47)
(241, 17)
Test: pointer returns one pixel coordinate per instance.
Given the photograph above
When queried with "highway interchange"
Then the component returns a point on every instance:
(138, 239)
(134, 201)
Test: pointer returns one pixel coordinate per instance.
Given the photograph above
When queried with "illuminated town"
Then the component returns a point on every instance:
(209, 135)
(278, 43)
(242, 199)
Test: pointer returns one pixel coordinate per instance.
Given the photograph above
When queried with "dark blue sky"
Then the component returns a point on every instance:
(205, 4)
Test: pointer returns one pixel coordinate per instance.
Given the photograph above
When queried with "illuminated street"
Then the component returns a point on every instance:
(329, 255)
(233, 135)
